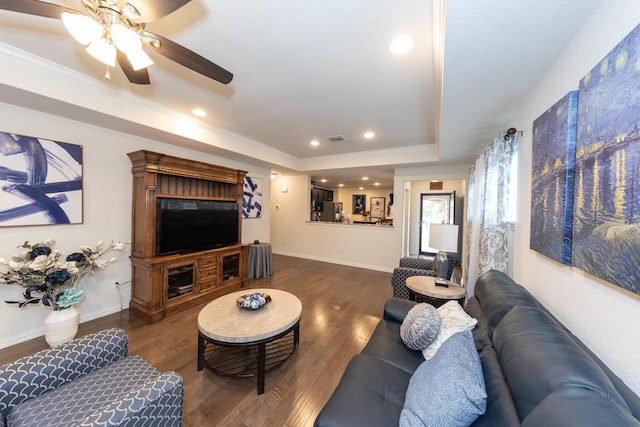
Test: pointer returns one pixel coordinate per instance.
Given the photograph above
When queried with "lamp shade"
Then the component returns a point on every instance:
(103, 51)
(81, 27)
(443, 237)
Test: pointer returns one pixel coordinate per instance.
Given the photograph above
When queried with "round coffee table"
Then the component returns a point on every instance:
(237, 342)
(424, 289)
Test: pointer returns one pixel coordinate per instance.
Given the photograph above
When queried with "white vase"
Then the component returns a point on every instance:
(61, 326)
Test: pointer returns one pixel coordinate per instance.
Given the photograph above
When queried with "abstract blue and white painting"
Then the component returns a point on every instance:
(552, 179)
(40, 181)
(606, 224)
(252, 198)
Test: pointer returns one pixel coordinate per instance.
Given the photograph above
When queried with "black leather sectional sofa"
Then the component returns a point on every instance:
(536, 372)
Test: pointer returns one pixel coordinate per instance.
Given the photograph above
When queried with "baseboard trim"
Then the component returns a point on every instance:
(336, 261)
(39, 332)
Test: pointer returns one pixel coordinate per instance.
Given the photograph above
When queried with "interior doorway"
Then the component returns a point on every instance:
(436, 208)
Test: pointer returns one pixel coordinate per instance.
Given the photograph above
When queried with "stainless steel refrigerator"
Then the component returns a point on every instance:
(331, 211)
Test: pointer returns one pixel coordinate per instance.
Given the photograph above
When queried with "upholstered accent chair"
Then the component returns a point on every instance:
(90, 381)
(409, 267)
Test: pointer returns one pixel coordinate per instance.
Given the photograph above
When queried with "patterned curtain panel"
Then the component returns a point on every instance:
(489, 182)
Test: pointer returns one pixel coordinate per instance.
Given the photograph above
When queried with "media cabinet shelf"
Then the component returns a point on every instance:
(162, 285)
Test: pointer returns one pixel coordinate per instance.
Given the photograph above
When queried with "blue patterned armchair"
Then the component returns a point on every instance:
(409, 267)
(416, 267)
(90, 381)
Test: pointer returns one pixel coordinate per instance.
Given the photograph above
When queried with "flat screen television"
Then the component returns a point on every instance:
(189, 225)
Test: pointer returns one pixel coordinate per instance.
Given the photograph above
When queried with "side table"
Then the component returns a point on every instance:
(424, 289)
(260, 260)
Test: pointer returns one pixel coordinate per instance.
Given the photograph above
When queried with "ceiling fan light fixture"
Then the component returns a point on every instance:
(139, 59)
(82, 28)
(103, 51)
(125, 39)
(131, 11)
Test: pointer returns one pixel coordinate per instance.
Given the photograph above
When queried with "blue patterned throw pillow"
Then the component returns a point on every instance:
(448, 389)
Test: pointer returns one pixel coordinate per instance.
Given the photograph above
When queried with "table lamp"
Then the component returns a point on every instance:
(444, 238)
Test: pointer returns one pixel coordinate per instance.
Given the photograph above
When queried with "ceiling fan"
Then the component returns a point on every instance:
(114, 30)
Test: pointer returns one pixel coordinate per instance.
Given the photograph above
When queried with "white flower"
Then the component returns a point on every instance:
(49, 242)
(99, 264)
(40, 263)
(70, 266)
(119, 246)
(21, 253)
(15, 265)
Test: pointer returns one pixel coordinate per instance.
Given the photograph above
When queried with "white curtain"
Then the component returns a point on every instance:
(489, 184)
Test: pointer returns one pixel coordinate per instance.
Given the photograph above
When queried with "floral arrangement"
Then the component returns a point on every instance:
(58, 279)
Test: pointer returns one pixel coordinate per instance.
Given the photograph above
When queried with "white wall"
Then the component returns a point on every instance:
(602, 315)
(373, 247)
(107, 213)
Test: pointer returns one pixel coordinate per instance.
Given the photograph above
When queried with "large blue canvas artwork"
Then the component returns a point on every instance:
(606, 227)
(40, 181)
(252, 198)
(552, 180)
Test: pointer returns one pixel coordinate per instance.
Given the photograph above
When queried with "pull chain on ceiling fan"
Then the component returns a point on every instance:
(115, 29)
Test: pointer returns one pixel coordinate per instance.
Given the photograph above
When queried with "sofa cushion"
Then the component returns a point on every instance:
(91, 393)
(370, 393)
(501, 410)
(480, 331)
(448, 389)
(396, 309)
(421, 326)
(497, 294)
(454, 320)
(385, 344)
(575, 406)
(528, 340)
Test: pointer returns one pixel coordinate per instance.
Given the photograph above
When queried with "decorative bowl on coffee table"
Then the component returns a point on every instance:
(253, 301)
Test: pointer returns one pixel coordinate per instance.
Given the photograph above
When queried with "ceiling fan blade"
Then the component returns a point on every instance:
(151, 10)
(140, 77)
(190, 59)
(35, 7)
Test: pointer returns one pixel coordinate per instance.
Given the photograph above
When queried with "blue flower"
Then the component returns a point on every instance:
(70, 297)
(39, 250)
(57, 277)
(76, 257)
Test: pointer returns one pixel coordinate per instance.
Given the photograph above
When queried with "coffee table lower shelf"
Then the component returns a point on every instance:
(247, 359)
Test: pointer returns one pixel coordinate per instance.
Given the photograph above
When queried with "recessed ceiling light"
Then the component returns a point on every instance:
(323, 180)
(315, 142)
(369, 135)
(361, 188)
(401, 44)
(199, 112)
(340, 185)
(364, 178)
(377, 183)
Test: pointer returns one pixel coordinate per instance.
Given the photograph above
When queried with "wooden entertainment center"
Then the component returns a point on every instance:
(162, 285)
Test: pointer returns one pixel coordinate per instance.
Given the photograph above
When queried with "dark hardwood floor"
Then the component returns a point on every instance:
(340, 308)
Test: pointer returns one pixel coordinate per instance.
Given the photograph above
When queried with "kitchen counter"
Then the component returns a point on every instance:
(354, 224)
